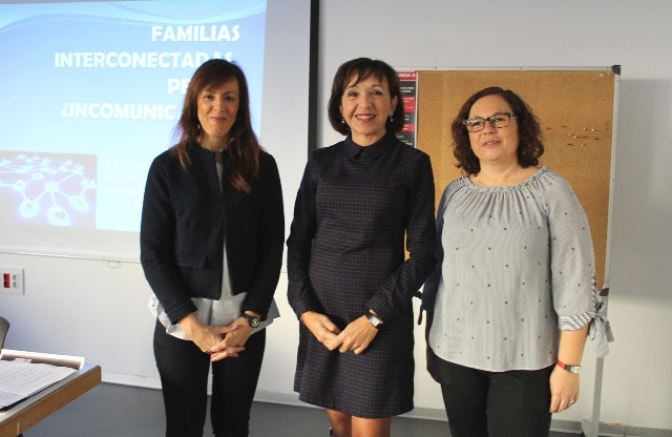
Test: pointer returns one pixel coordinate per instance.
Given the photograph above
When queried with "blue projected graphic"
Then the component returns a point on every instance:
(91, 93)
(49, 189)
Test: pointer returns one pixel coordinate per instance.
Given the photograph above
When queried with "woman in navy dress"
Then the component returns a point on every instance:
(350, 283)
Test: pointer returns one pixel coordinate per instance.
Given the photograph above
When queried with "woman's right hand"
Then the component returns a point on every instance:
(206, 337)
(322, 328)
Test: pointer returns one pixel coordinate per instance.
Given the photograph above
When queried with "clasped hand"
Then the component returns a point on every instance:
(356, 337)
(219, 342)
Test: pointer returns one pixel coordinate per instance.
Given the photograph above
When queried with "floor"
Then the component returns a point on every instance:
(121, 411)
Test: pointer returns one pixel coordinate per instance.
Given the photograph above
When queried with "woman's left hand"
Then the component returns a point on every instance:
(357, 336)
(235, 337)
(564, 389)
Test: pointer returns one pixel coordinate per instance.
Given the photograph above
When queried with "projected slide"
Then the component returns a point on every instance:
(91, 92)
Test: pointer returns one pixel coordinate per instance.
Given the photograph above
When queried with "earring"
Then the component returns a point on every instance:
(342, 120)
(391, 118)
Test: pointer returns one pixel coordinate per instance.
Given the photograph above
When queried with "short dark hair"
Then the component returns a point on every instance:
(362, 69)
(244, 148)
(530, 146)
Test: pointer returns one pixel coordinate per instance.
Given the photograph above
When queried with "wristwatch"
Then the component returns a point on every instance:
(252, 320)
(374, 320)
(571, 368)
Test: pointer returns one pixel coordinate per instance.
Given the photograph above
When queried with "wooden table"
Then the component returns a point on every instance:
(28, 412)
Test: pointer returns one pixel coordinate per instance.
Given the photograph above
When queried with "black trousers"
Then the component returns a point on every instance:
(495, 404)
(184, 371)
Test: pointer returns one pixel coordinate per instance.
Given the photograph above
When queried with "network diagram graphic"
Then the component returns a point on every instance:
(47, 189)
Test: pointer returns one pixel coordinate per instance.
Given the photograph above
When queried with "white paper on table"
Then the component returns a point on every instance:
(21, 378)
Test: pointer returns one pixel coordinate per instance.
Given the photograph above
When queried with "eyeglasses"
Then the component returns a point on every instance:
(501, 119)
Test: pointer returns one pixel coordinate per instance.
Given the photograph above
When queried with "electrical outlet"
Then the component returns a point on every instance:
(12, 280)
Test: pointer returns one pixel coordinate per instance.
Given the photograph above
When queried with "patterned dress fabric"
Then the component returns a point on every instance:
(354, 211)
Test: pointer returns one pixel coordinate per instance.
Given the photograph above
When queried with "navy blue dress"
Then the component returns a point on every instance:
(355, 209)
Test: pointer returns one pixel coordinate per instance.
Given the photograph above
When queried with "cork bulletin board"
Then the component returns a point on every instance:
(576, 110)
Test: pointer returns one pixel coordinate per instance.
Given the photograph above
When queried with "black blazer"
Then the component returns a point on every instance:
(185, 217)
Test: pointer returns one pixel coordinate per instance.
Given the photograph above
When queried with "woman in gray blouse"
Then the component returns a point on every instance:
(512, 298)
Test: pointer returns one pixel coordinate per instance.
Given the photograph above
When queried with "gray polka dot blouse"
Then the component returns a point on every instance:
(515, 266)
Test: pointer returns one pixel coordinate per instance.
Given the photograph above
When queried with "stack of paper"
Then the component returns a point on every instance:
(22, 374)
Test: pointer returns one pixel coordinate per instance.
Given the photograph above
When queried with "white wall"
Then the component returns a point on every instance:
(82, 307)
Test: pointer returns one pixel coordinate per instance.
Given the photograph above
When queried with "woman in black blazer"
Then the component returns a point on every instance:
(211, 239)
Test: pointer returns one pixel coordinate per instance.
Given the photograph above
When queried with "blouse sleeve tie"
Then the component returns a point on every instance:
(600, 329)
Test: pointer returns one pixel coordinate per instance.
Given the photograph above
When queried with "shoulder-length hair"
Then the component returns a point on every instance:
(361, 69)
(244, 148)
(530, 146)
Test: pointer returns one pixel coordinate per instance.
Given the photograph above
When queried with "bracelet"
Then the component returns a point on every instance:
(571, 368)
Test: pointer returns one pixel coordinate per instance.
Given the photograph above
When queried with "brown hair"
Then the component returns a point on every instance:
(244, 148)
(530, 145)
(362, 69)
